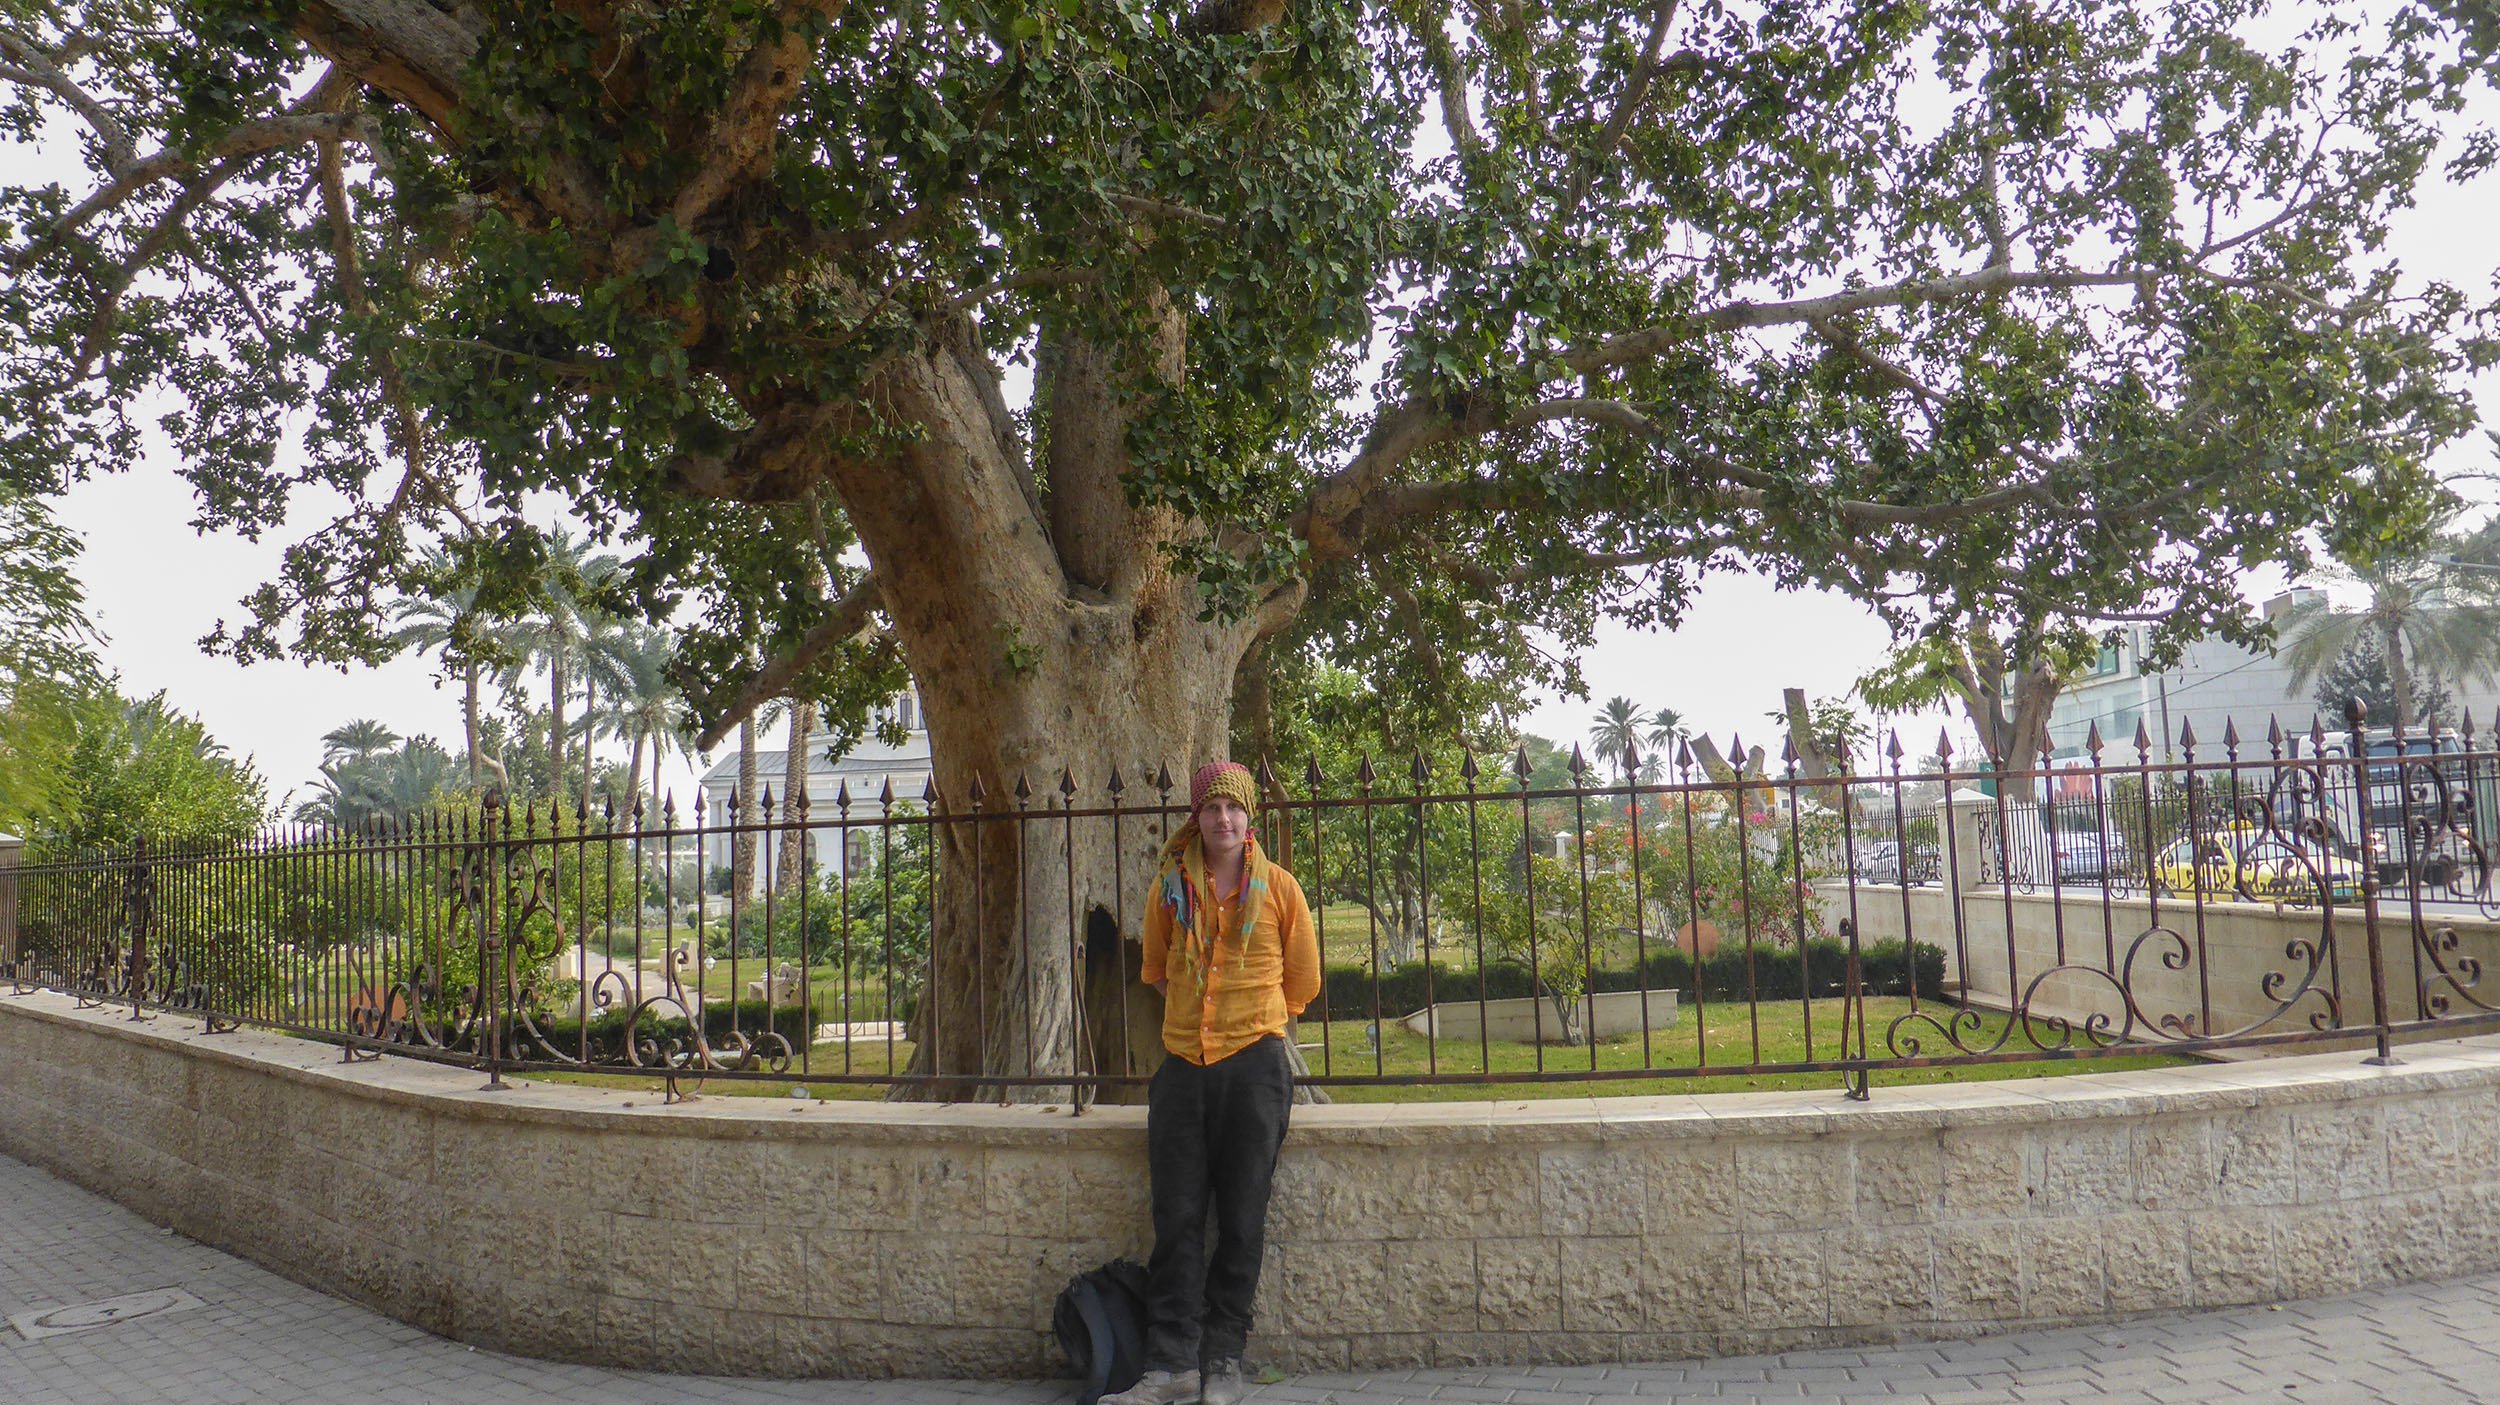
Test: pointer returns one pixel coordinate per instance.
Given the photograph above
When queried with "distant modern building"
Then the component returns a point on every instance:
(2212, 682)
(867, 769)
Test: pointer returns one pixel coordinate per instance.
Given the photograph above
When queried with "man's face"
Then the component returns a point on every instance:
(1223, 827)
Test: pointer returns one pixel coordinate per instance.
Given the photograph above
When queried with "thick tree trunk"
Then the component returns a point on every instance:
(1042, 636)
(1038, 910)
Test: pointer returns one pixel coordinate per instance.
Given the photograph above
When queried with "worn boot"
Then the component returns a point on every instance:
(1223, 1384)
(1161, 1388)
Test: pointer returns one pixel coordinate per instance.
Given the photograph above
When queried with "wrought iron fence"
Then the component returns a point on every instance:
(1479, 923)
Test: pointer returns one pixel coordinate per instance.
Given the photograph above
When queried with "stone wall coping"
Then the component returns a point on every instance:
(2273, 1082)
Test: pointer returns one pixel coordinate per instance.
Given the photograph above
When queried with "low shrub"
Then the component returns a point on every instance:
(1884, 968)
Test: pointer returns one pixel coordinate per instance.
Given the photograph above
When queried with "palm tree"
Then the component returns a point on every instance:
(360, 788)
(2414, 619)
(605, 662)
(558, 637)
(450, 623)
(742, 844)
(645, 712)
(1617, 733)
(356, 740)
(794, 784)
(1666, 728)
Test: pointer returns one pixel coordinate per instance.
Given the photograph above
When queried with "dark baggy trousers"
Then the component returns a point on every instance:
(1212, 1135)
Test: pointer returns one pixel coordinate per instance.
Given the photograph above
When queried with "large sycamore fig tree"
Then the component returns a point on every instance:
(1089, 361)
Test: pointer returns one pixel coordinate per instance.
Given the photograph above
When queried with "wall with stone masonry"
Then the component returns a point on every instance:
(763, 1236)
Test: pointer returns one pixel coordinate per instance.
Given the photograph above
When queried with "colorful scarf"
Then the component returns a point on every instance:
(1183, 887)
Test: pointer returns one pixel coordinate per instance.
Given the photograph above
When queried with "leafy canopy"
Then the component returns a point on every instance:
(47, 662)
(1477, 320)
(140, 769)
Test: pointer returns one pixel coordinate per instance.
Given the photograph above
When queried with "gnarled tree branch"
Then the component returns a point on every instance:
(247, 140)
(741, 139)
(31, 65)
(848, 618)
(1635, 92)
(411, 49)
(1640, 345)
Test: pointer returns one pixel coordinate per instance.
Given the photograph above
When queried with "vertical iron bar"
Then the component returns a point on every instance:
(1468, 771)
(1311, 782)
(806, 849)
(1640, 918)
(2382, 1035)
(1588, 958)
(1423, 913)
(1119, 920)
(1363, 777)
(1692, 905)
(1527, 875)
(975, 795)
(1080, 1039)
(489, 973)
(1030, 997)
(1799, 893)
(931, 1007)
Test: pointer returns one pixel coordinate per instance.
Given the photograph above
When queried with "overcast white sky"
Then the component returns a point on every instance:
(156, 587)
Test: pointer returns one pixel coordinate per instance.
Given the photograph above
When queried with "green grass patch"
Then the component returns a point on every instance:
(1785, 1032)
(1733, 1037)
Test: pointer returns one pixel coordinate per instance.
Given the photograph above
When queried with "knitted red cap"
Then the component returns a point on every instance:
(1205, 783)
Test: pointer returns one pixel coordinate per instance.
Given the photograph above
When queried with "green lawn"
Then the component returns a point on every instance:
(1732, 1040)
(1771, 1034)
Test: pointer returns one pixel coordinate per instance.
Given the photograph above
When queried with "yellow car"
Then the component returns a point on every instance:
(2243, 863)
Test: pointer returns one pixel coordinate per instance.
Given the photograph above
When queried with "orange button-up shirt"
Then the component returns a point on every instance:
(1252, 988)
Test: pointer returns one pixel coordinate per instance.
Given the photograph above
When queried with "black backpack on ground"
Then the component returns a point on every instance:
(1101, 1324)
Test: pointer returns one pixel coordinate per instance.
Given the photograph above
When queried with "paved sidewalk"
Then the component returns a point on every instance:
(234, 1333)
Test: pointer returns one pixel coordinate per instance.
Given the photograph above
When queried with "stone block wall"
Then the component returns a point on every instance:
(767, 1236)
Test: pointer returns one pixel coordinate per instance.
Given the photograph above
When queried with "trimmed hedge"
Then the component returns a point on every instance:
(607, 1029)
(1883, 969)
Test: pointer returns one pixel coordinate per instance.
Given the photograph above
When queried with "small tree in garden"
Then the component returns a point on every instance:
(887, 902)
(2361, 672)
(1552, 914)
(1747, 872)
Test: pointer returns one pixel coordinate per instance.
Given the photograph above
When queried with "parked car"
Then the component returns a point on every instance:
(2081, 856)
(2242, 861)
(1879, 861)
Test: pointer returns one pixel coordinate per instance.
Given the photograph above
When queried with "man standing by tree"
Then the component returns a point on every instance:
(1229, 943)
